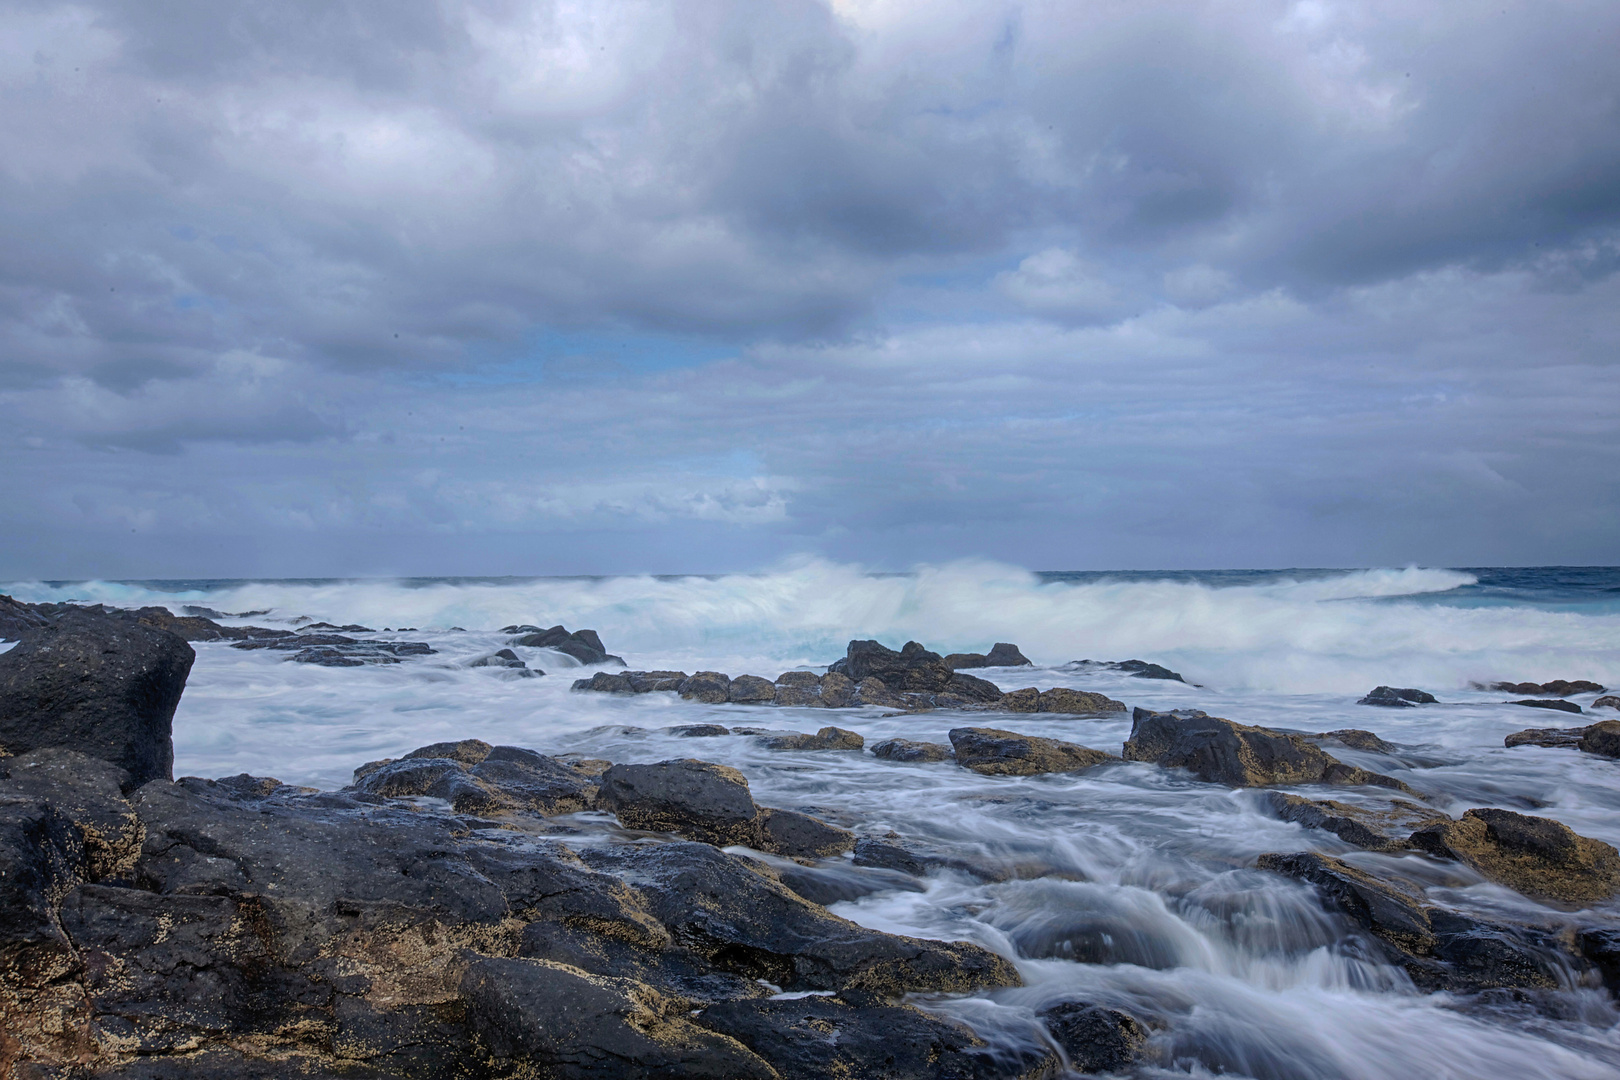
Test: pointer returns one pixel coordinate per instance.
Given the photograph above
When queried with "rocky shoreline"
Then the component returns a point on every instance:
(481, 910)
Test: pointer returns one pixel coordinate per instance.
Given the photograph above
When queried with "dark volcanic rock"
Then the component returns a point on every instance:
(826, 1038)
(104, 686)
(1556, 688)
(1608, 702)
(1376, 830)
(698, 731)
(569, 1024)
(18, 620)
(800, 836)
(504, 658)
(1549, 703)
(1224, 752)
(912, 670)
(606, 683)
(1138, 669)
(1003, 655)
(1391, 697)
(646, 682)
(828, 738)
(751, 690)
(583, 645)
(1077, 703)
(1006, 753)
(695, 799)
(1355, 739)
(709, 687)
(1602, 738)
(1096, 1039)
(1539, 857)
(908, 750)
(1440, 949)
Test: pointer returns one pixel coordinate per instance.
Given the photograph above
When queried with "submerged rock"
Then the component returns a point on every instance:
(1391, 697)
(698, 731)
(1440, 949)
(104, 686)
(908, 750)
(993, 752)
(1542, 858)
(1097, 1040)
(476, 778)
(1239, 755)
(1375, 830)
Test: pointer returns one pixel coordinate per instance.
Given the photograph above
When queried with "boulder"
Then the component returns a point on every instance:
(695, 799)
(1539, 857)
(583, 645)
(751, 690)
(1568, 738)
(883, 855)
(837, 691)
(1602, 738)
(1391, 697)
(1005, 753)
(1555, 704)
(1239, 755)
(647, 682)
(1609, 701)
(1097, 1040)
(1375, 830)
(709, 687)
(1440, 949)
(828, 738)
(604, 682)
(104, 686)
(800, 836)
(908, 750)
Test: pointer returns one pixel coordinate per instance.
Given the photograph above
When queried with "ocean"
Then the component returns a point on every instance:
(1127, 885)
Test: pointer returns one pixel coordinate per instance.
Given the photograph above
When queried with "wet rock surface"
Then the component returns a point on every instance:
(1138, 669)
(994, 752)
(1385, 829)
(1539, 857)
(1003, 654)
(911, 750)
(583, 645)
(338, 650)
(1240, 755)
(1096, 1039)
(105, 686)
(1555, 688)
(1602, 739)
(1556, 704)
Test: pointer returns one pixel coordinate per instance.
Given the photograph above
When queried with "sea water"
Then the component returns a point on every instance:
(1130, 886)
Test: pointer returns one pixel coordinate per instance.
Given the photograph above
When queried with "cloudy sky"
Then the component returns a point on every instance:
(320, 287)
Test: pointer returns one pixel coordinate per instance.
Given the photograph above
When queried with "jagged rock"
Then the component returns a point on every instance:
(1539, 857)
(569, 1024)
(647, 682)
(1569, 738)
(828, 738)
(1137, 669)
(1356, 739)
(1549, 703)
(1555, 688)
(827, 1038)
(104, 686)
(709, 687)
(751, 690)
(1223, 752)
(1607, 702)
(993, 752)
(695, 799)
(1440, 949)
(1602, 738)
(583, 645)
(1096, 1039)
(1376, 830)
(908, 750)
(796, 835)
(1002, 655)
(911, 670)
(1391, 697)
(18, 620)
(698, 731)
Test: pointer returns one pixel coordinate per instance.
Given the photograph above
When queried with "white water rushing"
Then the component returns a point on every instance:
(1133, 886)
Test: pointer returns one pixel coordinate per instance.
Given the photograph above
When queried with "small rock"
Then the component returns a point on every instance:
(1096, 1039)
(504, 658)
(698, 731)
(1391, 697)
(907, 750)
(1027, 700)
(993, 752)
(647, 682)
(807, 679)
(828, 738)
(1538, 857)
(1608, 702)
(1548, 703)
(583, 645)
(1002, 655)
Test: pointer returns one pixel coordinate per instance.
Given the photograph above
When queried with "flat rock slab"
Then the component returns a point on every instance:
(994, 752)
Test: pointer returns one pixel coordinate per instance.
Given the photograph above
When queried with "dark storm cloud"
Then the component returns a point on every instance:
(991, 272)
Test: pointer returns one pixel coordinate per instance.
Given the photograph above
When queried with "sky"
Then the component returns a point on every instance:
(343, 287)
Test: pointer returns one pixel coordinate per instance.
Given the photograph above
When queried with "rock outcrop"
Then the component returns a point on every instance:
(1003, 654)
(1539, 857)
(583, 645)
(913, 675)
(1240, 755)
(993, 752)
(338, 650)
(105, 686)
(1393, 697)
